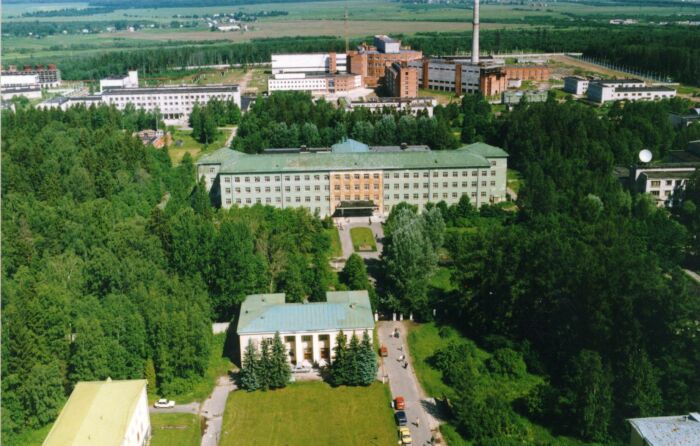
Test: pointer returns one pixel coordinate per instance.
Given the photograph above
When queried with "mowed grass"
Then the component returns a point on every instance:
(362, 239)
(310, 413)
(192, 146)
(181, 429)
(336, 247)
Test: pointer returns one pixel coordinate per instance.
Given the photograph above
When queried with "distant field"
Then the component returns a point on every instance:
(310, 413)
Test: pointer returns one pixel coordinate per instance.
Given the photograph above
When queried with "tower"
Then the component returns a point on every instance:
(475, 34)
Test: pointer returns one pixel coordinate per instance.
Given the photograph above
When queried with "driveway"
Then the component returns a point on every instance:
(179, 408)
(213, 410)
(356, 222)
(403, 382)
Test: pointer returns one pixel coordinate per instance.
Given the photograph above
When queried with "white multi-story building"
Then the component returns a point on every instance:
(626, 90)
(308, 330)
(19, 79)
(353, 178)
(576, 85)
(442, 74)
(411, 105)
(106, 413)
(130, 80)
(46, 77)
(309, 63)
(319, 83)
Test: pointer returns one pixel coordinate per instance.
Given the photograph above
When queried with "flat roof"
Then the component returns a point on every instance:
(171, 89)
(268, 313)
(470, 156)
(97, 412)
(633, 89)
(672, 175)
(681, 430)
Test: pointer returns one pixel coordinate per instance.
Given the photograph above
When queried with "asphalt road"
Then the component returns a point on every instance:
(213, 410)
(179, 408)
(403, 382)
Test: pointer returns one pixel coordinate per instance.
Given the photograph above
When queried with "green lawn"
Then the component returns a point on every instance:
(192, 146)
(310, 413)
(336, 248)
(362, 239)
(182, 429)
(31, 437)
(218, 366)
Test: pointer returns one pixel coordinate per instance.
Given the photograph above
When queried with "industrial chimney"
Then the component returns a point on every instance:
(475, 34)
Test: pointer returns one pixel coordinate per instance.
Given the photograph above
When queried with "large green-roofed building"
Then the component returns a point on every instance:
(308, 330)
(105, 413)
(323, 179)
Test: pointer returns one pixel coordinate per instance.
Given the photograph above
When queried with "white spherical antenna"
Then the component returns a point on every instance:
(645, 156)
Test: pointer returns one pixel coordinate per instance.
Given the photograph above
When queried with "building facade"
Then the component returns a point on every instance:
(130, 80)
(602, 91)
(530, 96)
(401, 80)
(319, 83)
(48, 76)
(308, 330)
(108, 413)
(328, 181)
(370, 61)
(309, 63)
(576, 85)
(411, 105)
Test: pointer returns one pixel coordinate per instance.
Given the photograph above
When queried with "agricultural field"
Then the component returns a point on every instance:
(310, 413)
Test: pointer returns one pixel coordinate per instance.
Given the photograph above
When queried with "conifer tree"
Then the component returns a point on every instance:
(265, 363)
(339, 365)
(353, 359)
(150, 375)
(368, 361)
(279, 372)
(250, 376)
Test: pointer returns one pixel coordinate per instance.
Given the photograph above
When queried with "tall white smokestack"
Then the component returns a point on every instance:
(475, 34)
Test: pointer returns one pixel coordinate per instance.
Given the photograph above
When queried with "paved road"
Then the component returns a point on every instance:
(213, 410)
(180, 408)
(403, 382)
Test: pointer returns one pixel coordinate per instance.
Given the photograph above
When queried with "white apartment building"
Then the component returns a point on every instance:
(309, 63)
(19, 79)
(576, 85)
(602, 91)
(106, 413)
(320, 83)
(411, 105)
(308, 330)
(174, 103)
(130, 80)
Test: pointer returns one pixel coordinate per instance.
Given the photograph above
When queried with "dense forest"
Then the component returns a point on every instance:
(670, 51)
(292, 119)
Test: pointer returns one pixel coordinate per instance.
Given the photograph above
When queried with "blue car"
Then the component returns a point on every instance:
(401, 419)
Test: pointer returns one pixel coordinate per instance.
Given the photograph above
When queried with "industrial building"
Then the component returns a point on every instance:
(46, 77)
(130, 80)
(32, 92)
(370, 61)
(602, 91)
(308, 330)
(318, 83)
(310, 63)
(685, 119)
(401, 81)
(413, 106)
(530, 96)
(576, 85)
(354, 177)
(106, 413)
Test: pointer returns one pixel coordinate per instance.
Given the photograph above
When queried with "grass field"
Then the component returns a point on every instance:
(310, 413)
(192, 146)
(362, 239)
(181, 429)
(218, 366)
(336, 247)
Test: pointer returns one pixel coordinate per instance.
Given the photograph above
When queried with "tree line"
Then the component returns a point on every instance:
(292, 119)
(206, 119)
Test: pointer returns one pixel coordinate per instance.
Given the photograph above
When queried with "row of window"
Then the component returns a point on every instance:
(356, 187)
(657, 183)
(348, 197)
(357, 176)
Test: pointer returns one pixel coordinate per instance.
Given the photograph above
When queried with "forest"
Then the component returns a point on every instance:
(292, 119)
(670, 51)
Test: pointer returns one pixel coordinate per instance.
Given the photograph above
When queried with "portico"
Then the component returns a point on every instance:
(308, 330)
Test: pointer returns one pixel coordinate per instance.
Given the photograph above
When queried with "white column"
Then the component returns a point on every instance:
(315, 348)
(298, 349)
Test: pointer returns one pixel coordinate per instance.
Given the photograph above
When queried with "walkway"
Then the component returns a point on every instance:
(403, 382)
(213, 410)
(345, 224)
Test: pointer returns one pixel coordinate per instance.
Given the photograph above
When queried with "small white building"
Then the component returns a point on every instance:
(308, 330)
(576, 85)
(318, 83)
(105, 413)
(130, 80)
(602, 91)
(19, 79)
(679, 430)
(411, 105)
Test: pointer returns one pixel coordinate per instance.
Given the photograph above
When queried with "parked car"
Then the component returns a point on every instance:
(405, 435)
(401, 419)
(399, 403)
(384, 351)
(164, 404)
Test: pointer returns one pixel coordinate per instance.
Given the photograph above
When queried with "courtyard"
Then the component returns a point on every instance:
(310, 413)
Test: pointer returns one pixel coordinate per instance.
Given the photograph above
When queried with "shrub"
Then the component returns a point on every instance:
(506, 362)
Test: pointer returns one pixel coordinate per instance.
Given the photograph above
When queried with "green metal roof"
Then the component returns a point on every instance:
(471, 156)
(97, 412)
(268, 313)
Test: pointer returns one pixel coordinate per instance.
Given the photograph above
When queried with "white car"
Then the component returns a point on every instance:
(164, 404)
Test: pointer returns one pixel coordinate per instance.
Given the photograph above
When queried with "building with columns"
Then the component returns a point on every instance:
(308, 330)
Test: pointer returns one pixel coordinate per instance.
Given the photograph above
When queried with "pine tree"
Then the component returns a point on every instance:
(339, 364)
(368, 361)
(250, 379)
(265, 364)
(150, 375)
(280, 373)
(353, 360)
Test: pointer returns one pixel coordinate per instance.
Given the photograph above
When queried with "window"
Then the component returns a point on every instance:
(465, 184)
(405, 196)
(493, 163)
(307, 177)
(444, 174)
(337, 176)
(473, 194)
(386, 175)
(247, 179)
(454, 184)
(483, 183)
(257, 179)
(406, 175)
(307, 199)
(228, 201)
(228, 190)
(669, 182)
(484, 172)
(257, 189)
(287, 188)
(493, 183)
(415, 175)
(454, 194)
(465, 173)
(357, 187)
(347, 176)
(366, 176)
(396, 196)
(297, 199)
(317, 187)
(336, 187)
(415, 196)
(267, 179)
(286, 178)
(296, 177)
(211, 170)
(247, 189)
(307, 187)
(277, 178)
(375, 176)
(267, 189)
(426, 174)
(277, 188)
(475, 173)
(483, 194)
(455, 173)
(227, 179)
(238, 190)
(656, 183)
(396, 175)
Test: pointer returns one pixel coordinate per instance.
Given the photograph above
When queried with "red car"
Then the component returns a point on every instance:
(384, 351)
(399, 403)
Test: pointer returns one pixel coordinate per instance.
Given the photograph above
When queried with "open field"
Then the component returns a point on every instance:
(310, 413)
(182, 429)
(362, 239)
